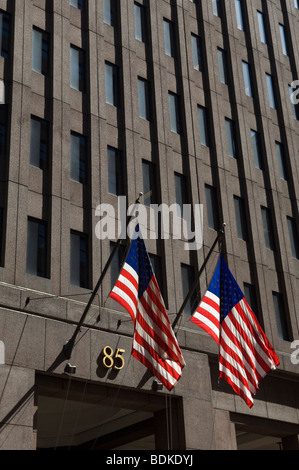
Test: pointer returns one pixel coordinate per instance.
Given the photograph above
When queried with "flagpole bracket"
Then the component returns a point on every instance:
(157, 386)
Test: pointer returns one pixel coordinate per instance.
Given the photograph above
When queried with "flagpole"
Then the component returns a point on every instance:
(219, 236)
(68, 347)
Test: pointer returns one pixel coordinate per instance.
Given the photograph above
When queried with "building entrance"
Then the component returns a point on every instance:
(73, 414)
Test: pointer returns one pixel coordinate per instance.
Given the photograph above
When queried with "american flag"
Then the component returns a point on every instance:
(245, 354)
(137, 290)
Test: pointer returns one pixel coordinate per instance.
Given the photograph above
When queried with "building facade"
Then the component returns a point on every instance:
(188, 102)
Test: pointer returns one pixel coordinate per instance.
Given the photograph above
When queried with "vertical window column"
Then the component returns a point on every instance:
(37, 248)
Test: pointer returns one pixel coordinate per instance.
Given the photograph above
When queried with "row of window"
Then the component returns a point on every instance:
(40, 55)
(37, 264)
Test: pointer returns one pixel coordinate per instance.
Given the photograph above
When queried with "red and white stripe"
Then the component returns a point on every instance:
(245, 355)
(154, 343)
(207, 315)
(125, 291)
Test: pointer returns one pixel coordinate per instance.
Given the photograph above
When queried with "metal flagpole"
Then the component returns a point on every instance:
(219, 236)
(68, 347)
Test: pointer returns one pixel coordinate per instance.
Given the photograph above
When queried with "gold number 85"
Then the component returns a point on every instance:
(109, 360)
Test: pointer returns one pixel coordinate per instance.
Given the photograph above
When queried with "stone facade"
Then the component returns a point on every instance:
(38, 315)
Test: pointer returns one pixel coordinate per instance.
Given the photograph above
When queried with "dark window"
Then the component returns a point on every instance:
(149, 183)
(271, 94)
(169, 37)
(139, 16)
(37, 248)
(293, 237)
(196, 52)
(281, 161)
(281, 320)
(174, 111)
(2, 236)
(39, 143)
(261, 23)
(78, 158)
(40, 51)
(268, 228)
(77, 4)
(212, 207)
(4, 34)
(222, 64)
(79, 260)
(115, 171)
(77, 68)
(231, 138)
(157, 267)
(116, 262)
(109, 12)
(203, 125)
(187, 273)
(111, 80)
(257, 149)
(240, 218)
(181, 194)
(250, 296)
(144, 98)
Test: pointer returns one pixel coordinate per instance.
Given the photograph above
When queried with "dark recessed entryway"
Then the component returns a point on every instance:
(74, 415)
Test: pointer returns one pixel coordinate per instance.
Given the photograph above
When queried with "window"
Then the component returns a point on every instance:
(37, 248)
(3, 131)
(268, 228)
(4, 34)
(187, 273)
(115, 171)
(294, 103)
(77, 69)
(39, 143)
(280, 317)
(212, 207)
(293, 237)
(78, 158)
(240, 218)
(203, 127)
(296, 4)
(239, 14)
(216, 7)
(79, 270)
(139, 15)
(1, 236)
(174, 112)
(181, 196)
(116, 262)
(157, 268)
(40, 51)
(144, 99)
(196, 52)
(169, 37)
(261, 23)
(247, 80)
(270, 91)
(109, 12)
(283, 39)
(281, 161)
(250, 296)
(257, 149)
(111, 77)
(222, 64)
(77, 4)
(149, 183)
(231, 138)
